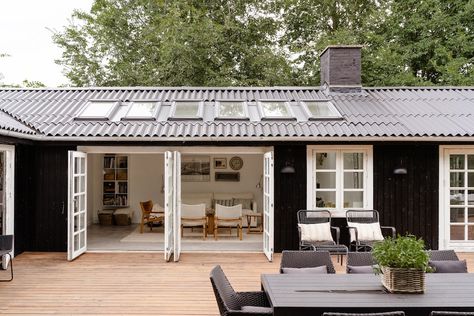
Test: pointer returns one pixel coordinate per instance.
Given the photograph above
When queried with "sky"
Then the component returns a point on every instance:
(25, 35)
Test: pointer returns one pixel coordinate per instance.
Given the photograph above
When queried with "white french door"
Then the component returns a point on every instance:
(458, 208)
(177, 208)
(169, 205)
(77, 204)
(268, 205)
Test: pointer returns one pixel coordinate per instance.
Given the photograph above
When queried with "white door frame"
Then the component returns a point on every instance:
(72, 252)
(444, 210)
(169, 206)
(9, 203)
(177, 205)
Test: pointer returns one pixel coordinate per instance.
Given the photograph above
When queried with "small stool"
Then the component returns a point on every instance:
(259, 228)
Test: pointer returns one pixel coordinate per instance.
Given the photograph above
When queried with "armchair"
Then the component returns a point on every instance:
(364, 229)
(228, 216)
(194, 216)
(6, 246)
(149, 216)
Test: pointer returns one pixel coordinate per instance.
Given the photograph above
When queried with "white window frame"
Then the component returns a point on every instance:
(142, 118)
(198, 117)
(261, 111)
(96, 117)
(444, 241)
(339, 210)
(217, 115)
(311, 116)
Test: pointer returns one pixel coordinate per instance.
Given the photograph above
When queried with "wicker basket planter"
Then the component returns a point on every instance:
(398, 280)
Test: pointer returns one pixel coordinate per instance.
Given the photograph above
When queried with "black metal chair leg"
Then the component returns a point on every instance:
(11, 269)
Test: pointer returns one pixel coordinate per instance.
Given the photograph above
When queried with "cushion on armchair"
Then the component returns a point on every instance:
(315, 232)
(366, 231)
(449, 266)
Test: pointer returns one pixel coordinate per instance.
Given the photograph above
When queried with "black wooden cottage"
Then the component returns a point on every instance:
(405, 151)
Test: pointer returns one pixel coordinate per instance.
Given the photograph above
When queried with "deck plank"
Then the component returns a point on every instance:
(129, 283)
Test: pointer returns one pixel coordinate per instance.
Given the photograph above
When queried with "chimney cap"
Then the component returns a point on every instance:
(339, 46)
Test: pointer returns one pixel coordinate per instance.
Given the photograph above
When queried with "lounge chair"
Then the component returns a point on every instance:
(306, 259)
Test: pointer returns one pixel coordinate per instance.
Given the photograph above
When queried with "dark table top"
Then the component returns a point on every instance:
(315, 294)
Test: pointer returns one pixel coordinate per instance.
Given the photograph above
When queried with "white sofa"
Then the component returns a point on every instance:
(211, 198)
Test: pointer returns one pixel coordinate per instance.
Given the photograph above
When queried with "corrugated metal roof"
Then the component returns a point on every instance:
(375, 112)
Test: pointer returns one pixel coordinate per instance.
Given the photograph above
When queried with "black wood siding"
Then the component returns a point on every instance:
(41, 198)
(408, 202)
(289, 195)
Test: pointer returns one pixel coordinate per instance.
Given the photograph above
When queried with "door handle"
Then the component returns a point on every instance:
(62, 208)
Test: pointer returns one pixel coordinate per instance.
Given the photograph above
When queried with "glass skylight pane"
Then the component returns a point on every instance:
(96, 109)
(142, 109)
(275, 109)
(187, 109)
(321, 109)
(232, 109)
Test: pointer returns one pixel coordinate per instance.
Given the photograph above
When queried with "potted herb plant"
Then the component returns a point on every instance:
(403, 262)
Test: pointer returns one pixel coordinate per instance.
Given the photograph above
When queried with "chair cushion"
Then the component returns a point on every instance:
(315, 232)
(360, 269)
(196, 222)
(314, 270)
(366, 231)
(157, 208)
(257, 309)
(449, 266)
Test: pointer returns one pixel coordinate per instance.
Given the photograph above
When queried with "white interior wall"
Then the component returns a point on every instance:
(146, 181)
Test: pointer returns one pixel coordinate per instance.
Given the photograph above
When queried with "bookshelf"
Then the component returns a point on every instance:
(115, 181)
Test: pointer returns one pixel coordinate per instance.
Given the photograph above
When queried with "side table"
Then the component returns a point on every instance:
(259, 228)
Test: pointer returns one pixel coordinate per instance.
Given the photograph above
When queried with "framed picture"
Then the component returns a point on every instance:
(220, 163)
(195, 168)
(227, 176)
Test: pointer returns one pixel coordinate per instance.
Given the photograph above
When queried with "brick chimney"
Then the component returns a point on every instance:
(340, 68)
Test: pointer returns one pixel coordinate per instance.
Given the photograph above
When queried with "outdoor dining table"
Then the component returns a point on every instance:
(305, 294)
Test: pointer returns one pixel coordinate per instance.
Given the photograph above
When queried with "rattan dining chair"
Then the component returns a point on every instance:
(232, 303)
(441, 255)
(6, 247)
(441, 313)
(359, 259)
(306, 259)
(366, 314)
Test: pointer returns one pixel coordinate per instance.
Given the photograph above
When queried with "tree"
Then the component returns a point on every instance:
(153, 42)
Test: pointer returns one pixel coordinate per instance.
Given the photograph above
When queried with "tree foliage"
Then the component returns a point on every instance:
(266, 42)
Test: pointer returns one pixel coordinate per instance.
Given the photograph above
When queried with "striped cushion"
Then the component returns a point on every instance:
(228, 202)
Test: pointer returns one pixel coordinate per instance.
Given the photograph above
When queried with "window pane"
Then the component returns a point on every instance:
(186, 109)
(353, 161)
(353, 199)
(470, 179)
(457, 215)
(326, 160)
(456, 197)
(470, 232)
(275, 109)
(457, 232)
(325, 180)
(456, 179)
(456, 161)
(470, 197)
(470, 215)
(142, 109)
(231, 109)
(353, 180)
(97, 109)
(326, 199)
(470, 161)
(321, 109)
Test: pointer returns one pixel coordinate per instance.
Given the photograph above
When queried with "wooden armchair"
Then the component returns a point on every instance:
(149, 217)
(228, 216)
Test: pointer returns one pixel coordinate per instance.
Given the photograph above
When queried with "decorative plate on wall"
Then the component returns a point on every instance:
(236, 163)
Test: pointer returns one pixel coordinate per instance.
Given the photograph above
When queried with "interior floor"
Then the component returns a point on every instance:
(128, 238)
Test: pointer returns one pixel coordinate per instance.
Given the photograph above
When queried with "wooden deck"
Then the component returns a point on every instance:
(129, 283)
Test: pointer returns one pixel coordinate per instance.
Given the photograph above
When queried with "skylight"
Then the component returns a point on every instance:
(231, 110)
(321, 109)
(98, 110)
(142, 110)
(275, 109)
(189, 110)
